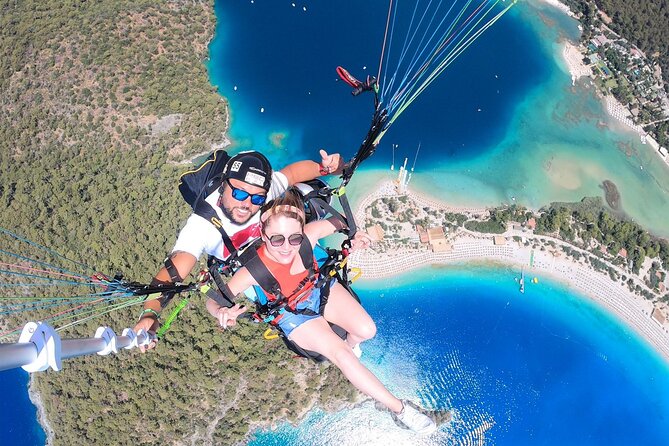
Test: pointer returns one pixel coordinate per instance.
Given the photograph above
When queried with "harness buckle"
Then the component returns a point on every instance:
(269, 334)
(203, 277)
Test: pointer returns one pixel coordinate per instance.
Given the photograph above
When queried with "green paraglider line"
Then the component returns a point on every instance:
(435, 53)
(399, 102)
(172, 317)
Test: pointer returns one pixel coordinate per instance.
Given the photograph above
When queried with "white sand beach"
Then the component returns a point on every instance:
(36, 399)
(543, 257)
(573, 56)
(574, 59)
(561, 6)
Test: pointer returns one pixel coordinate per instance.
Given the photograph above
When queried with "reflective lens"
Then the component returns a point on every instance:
(277, 240)
(241, 195)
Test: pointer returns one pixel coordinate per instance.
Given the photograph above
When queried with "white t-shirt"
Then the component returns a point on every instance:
(200, 236)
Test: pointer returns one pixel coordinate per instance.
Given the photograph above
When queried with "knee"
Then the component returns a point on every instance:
(342, 356)
(366, 330)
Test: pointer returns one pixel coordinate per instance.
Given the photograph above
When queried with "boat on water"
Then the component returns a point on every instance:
(522, 281)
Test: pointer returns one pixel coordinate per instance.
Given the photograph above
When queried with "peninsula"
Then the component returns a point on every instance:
(413, 231)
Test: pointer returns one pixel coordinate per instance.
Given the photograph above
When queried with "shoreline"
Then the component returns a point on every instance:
(561, 6)
(467, 247)
(573, 57)
(42, 419)
(574, 60)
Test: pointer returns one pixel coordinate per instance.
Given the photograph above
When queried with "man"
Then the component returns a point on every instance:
(248, 182)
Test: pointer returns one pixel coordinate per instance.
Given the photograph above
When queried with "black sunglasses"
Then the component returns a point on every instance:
(241, 195)
(278, 240)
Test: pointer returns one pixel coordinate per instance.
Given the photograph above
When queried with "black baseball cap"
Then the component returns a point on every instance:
(250, 167)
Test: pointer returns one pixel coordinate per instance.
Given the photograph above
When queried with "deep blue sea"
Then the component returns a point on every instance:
(543, 368)
(281, 59)
(18, 423)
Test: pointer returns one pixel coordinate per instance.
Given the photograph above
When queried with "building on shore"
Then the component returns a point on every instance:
(499, 240)
(437, 239)
(658, 316)
(375, 232)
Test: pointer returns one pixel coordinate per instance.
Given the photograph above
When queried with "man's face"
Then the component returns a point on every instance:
(239, 211)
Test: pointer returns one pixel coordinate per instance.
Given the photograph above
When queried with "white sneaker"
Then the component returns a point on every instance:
(357, 351)
(413, 419)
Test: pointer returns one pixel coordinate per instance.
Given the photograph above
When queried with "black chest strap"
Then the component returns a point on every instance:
(206, 211)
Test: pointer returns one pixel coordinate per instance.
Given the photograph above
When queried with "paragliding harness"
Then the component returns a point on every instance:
(322, 266)
(197, 184)
(271, 309)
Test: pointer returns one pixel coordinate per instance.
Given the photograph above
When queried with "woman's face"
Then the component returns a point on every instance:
(279, 226)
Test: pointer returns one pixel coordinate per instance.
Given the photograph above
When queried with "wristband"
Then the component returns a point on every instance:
(323, 170)
(146, 311)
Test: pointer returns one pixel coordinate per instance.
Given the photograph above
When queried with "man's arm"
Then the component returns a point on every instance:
(306, 170)
(183, 264)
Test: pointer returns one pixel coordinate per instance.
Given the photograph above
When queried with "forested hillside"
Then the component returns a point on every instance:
(98, 100)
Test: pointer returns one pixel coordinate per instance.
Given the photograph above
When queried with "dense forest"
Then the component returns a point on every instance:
(98, 102)
(645, 23)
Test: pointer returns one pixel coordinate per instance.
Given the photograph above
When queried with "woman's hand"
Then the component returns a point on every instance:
(227, 317)
(361, 240)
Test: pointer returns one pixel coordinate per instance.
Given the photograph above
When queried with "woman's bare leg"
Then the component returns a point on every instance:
(343, 310)
(316, 335)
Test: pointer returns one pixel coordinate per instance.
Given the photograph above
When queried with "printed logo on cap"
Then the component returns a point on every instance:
(254, 178)
(236, 165)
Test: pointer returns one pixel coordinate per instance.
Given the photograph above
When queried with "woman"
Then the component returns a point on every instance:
(283, 232)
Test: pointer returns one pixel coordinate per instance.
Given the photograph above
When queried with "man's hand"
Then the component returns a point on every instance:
(150, 325)
(361, 240)
(330, 164)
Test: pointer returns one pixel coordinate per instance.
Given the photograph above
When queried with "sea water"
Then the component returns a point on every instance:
(502, 125)
(18, 420)
(544, 367)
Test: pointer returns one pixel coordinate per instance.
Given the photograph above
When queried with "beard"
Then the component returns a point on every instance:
(228, 211)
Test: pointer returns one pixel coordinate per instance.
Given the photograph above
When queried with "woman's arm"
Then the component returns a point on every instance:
(227, 316)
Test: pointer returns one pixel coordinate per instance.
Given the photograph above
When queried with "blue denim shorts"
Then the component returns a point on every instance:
(290, 321)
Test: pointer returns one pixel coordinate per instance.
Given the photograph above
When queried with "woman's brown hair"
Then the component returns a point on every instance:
(290, 205)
